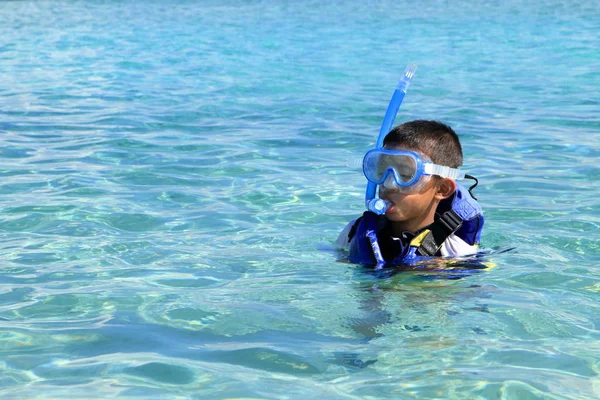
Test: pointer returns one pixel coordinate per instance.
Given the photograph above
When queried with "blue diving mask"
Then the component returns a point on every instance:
(403, 170)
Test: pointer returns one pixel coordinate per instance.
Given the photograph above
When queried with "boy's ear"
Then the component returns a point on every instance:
(446, 187)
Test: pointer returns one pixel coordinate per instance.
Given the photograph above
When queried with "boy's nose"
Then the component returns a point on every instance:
(390, 183)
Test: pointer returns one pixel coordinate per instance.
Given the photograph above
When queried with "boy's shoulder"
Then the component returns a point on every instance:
(454, 246)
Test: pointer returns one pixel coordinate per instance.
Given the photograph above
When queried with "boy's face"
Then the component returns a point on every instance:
(411, 207)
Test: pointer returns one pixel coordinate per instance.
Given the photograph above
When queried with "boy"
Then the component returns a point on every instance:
(429, 214)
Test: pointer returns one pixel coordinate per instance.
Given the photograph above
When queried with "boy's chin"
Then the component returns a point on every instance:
(394, 217)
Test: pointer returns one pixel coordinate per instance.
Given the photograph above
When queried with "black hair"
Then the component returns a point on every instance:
(431, 138)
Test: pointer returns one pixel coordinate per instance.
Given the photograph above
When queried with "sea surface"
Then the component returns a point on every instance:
(173, 175)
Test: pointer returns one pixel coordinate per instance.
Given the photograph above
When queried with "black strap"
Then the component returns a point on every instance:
(353, 229)
(439, 231)
(472, 186)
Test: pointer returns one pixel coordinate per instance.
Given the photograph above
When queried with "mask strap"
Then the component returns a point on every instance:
(473, 186)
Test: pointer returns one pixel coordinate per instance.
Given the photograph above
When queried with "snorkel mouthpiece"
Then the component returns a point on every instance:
(376, 205)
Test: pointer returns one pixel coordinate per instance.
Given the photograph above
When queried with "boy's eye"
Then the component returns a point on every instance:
(405, 173)
(405, 178)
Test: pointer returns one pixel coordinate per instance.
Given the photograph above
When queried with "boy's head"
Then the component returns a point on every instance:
(432, 139)
(435, 142)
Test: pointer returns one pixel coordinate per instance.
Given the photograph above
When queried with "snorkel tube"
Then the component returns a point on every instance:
(377, 205)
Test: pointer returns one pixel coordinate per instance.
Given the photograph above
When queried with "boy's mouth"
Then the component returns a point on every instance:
(392, 207)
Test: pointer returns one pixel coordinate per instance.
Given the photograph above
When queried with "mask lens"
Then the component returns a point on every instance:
(378, 166)
(404, 168)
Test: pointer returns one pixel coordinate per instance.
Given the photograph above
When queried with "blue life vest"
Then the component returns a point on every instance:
(371, 241)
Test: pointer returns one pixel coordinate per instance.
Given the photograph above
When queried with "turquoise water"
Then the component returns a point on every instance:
(173, 175)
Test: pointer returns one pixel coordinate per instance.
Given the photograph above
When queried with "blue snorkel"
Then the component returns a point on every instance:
(377, 205)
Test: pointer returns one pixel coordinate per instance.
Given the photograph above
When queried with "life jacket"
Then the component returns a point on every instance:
(371, 241)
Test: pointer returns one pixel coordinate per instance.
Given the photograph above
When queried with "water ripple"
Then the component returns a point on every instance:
(171, 187)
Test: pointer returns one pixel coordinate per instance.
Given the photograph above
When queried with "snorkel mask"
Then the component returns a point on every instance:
(403, 170)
